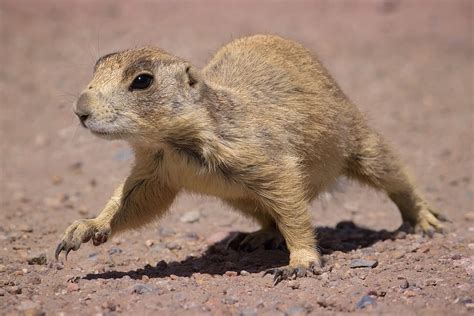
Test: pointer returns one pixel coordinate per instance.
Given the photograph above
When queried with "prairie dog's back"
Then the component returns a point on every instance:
(268, 64)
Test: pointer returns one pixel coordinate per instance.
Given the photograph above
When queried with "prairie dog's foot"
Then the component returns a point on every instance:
(81, 231)
(291, 272)
(429, 221)
(303, 263)
(260, 239)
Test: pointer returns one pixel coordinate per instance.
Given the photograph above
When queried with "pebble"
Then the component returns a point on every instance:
(35, 280)
(2, 292)
(72, 287)
(141, 289)
(2, 268)
(365, 301)
(409, 293)
(111, 306)
(167, 232)
(190, 217)
(114, 251)
(400, 234)
(294, 284)
(39, 259)
(149, 243)
(231, 273)
(297, 311)
(469, 216)
(361, 263)
(56, 180)
(244, 273)
(404, 284)
(229, 300)
(14, 290)
(172, 245)
(25, 228)
(248, 312)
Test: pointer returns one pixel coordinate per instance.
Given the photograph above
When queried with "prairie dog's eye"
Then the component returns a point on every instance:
(141, 82)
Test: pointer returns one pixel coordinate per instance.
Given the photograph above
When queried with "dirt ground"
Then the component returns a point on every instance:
(407, 64)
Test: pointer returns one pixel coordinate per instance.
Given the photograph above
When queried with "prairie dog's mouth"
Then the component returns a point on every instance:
(107, 134)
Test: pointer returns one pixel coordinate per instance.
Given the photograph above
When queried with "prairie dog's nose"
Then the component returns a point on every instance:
(82, 108)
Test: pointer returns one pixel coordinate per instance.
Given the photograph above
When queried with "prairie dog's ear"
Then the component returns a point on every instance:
(193, 76)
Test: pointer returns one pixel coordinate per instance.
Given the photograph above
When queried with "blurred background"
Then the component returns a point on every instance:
(407, 64)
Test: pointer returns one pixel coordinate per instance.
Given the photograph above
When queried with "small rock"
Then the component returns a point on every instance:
(244, 273)
(111, 306)
(35, 280)
(190, 217)
(56, 180)
(409, 293)
(365, 301)
(39, 259)
(114, 251)
(404, 284)
(172, 245)
(149, 243)
(471, 246)
(469, 216)
(25, 228)
(2, 268)
(2, 292)
(167, 232)
(231, 273)
(294, 284)
(229, 300)
(141, 289)
(14, 290)
(248, 312)
(431, 282)
(72, 287)
(361, 263)
(400, 235)
(296, 311)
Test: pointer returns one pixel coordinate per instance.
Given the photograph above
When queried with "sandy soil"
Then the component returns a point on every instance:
(407, 64)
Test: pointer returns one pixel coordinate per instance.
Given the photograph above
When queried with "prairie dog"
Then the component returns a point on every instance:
(263, 126)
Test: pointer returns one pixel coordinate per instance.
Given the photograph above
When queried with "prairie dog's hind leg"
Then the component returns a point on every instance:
(267, 237)
(375, 164)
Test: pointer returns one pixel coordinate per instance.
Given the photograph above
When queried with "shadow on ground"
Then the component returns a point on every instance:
(218, 259)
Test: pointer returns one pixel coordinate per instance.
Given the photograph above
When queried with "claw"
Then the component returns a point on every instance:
(67, 252)
(279, 276)
(269, 271)
(59, 248)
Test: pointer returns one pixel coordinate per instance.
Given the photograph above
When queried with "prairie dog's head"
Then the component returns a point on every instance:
(138, 95)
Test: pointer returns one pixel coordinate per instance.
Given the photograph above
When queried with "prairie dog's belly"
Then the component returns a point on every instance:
(181, 173)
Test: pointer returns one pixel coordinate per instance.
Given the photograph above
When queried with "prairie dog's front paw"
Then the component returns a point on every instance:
(81, 231)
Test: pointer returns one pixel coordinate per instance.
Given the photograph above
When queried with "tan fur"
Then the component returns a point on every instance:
(263, 126)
